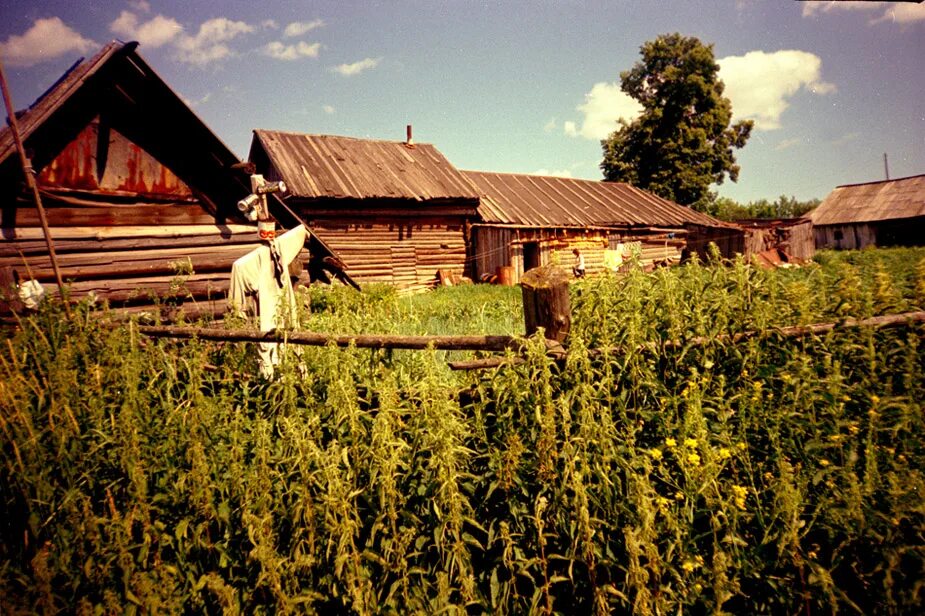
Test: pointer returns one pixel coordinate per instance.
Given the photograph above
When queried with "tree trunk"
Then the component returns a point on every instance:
(546, 302)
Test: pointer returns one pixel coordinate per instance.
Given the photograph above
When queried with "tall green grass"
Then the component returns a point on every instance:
(773, 476)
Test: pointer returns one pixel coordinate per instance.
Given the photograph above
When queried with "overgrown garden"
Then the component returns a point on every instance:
(648, 472)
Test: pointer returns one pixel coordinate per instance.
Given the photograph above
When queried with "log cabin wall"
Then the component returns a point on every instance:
(127, 231)
(404, 253)
(138, 191)
(496, 246)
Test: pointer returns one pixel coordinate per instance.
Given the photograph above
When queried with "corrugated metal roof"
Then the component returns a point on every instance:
(873, 201)
(511, 198)
(324, 166)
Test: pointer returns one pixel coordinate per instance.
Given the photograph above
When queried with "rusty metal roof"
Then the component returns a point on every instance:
(872, 201)
(511, 198)
(118, 85)
(324, 166)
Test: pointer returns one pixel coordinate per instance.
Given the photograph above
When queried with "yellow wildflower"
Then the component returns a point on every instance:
(693, 458)
(698, 587)
(824, 462)
(689, 565)
(853, 429)
(690, 442)
(670, 442)
(741, 446)
(874, 398)
(724, 454)
(739, 493)
(662, 503)
(656, 454)
(679, 496)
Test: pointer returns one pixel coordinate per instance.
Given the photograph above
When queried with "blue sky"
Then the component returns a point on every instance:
(515, 86)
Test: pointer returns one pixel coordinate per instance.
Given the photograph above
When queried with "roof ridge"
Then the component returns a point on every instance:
(908, 177)
(345, 137)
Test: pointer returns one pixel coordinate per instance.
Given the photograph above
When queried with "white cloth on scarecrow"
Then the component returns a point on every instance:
(261, 287)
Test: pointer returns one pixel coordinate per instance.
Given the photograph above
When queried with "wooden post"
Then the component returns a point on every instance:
(33, 186)
(546, 302)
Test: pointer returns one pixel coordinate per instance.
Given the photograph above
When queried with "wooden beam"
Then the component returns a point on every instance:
(365, 341)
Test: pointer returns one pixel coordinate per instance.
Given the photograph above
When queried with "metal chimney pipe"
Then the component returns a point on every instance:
(408, 140)
(886, 166)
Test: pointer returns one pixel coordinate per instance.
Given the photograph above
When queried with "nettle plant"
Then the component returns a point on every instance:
(644, 473)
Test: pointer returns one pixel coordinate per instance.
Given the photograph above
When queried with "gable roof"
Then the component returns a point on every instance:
(515, 198)
(119, 86)
(325, 166)
(872, 201)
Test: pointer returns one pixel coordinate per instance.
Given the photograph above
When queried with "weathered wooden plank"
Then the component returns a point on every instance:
(110, 216)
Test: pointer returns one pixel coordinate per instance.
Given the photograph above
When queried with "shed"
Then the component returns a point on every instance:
(395, 211)
(140, 195)
(789, 236)
(884, 213)
(530, 220)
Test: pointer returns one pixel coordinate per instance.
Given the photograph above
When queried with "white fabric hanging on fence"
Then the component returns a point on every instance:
(260, 286)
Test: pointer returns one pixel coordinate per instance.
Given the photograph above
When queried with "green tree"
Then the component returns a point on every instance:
(682, 142)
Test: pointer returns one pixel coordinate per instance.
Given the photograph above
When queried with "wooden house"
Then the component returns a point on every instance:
(885, 213)
(140, 195)
(527, 220)
(394, 211)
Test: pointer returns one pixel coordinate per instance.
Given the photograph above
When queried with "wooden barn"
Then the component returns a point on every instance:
(885, 213)
(394, 211)
(140, 195)
(527, 220)
(792, 237)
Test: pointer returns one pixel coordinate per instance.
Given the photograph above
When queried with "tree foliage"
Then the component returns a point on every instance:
(725, 208)
(682, 142)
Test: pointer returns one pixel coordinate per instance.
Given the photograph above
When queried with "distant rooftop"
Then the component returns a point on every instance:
(872, 201)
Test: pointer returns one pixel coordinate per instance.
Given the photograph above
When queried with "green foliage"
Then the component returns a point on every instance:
(773, 476)
(682, 142)
(725, 208)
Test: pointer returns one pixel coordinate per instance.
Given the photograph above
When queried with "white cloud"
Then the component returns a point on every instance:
(902, 13)
(559, 173)
(209, 44)
(153, 33)
(47, 39)
(301, 49)
(604, 106)
(298, 28)
(787, 143)
(812, 8)
(348, 70)
(328, 109)
(195, 103)
(759, 83)
(141, 6)
(897, 12)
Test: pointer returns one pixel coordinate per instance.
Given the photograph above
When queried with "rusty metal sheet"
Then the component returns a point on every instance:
(873, 201)
(128, 168)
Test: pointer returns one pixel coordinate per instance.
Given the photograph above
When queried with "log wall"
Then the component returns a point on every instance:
(133, 265)
(405, 254)
(498, 246)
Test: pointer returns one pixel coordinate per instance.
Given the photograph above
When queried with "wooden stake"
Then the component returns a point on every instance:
(28, 172)
(546, 302)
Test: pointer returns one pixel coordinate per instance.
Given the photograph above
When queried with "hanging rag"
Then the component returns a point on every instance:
(260, 286)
